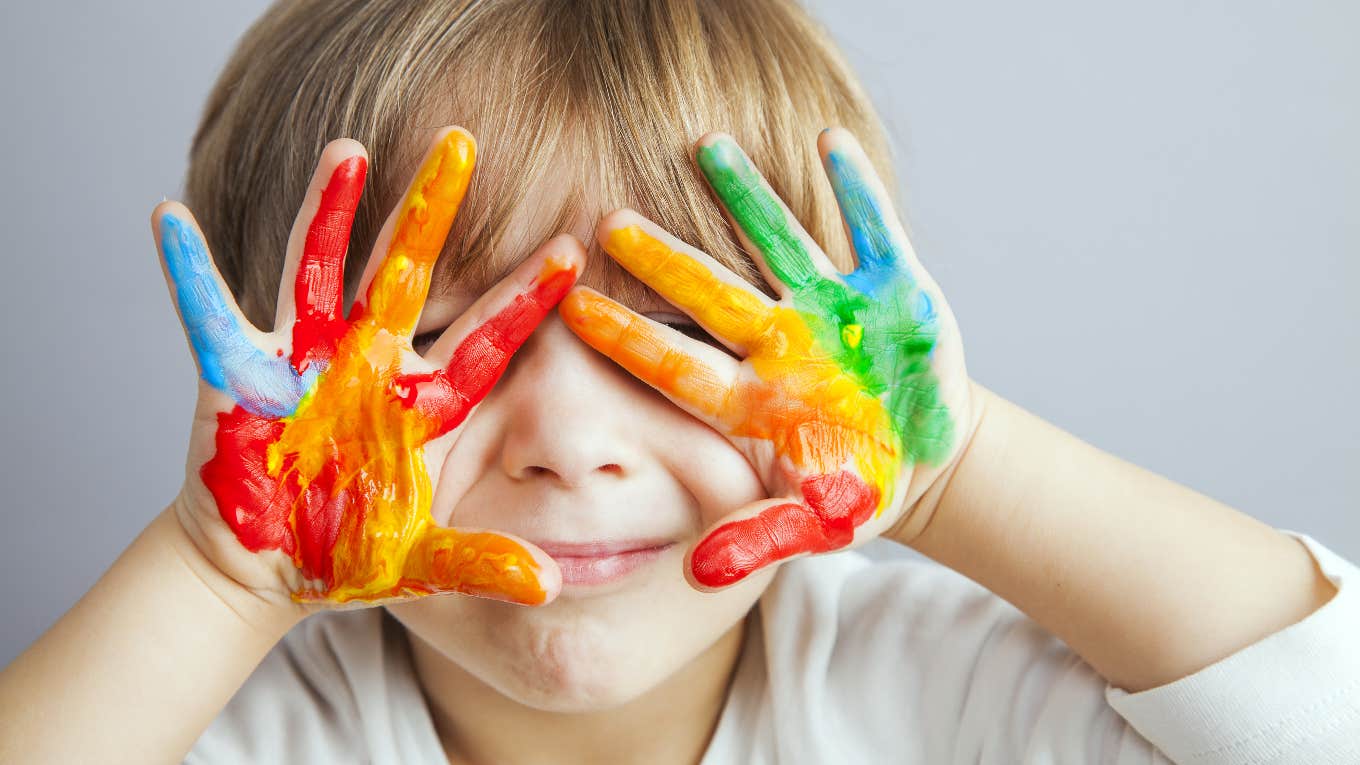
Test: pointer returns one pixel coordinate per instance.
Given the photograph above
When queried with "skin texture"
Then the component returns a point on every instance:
(321, 455)
(838, 388)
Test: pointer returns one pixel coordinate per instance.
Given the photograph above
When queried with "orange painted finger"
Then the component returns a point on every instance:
(415, 235)
(481, 563)
(697, 377)
(720, 301)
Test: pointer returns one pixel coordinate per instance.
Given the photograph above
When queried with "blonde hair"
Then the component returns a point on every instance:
(599, 100)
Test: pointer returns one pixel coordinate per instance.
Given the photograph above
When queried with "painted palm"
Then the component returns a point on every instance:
(321, 455)
(850, 388)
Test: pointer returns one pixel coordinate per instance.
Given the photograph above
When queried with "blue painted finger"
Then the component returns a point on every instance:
(880, 245)
(261, 383)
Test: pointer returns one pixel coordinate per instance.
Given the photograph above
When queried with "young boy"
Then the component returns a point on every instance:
(654, 477)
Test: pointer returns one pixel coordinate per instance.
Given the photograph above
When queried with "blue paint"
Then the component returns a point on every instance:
(925, 308)
(261, 383)
(877, 245)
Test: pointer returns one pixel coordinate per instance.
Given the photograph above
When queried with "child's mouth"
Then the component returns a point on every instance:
(595, 563)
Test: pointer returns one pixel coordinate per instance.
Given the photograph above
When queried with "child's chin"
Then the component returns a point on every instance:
(579, 700)
(574, 670)
(578, 685)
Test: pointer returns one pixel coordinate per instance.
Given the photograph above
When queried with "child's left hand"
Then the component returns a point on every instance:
(850, 396)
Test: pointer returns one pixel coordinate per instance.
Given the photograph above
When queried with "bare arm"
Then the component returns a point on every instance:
(1147, 580)
(123, 677)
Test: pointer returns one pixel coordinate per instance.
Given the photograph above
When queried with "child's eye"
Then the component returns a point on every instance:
(688, 328)
(422, 342)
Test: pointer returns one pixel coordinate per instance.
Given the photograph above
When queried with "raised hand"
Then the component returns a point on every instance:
(850, 395)
(311, 439)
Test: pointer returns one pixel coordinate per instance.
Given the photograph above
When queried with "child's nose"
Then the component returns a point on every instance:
(566, 412)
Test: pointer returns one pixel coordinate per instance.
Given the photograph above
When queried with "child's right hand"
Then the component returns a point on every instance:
(306, 473)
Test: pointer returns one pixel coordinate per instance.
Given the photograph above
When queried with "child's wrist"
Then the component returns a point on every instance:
(918, 518)
(269, 618)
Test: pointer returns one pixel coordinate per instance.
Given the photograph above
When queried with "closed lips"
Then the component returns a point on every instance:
(598, 549)
(592, 563)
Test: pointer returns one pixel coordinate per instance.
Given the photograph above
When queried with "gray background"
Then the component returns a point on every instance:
(1143, 214)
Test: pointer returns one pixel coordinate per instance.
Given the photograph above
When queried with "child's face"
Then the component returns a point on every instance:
(569, 448)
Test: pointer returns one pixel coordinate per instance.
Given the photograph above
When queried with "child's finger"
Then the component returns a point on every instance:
(752, 538)
(694, 375)
(483, 563)
(226, 346)
(475, 350)
(312, 287)
(882, 250)
(394, 285)
(791, 261)
(832, 506)
(720, 301)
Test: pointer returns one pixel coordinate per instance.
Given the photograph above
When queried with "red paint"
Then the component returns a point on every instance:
(320, 279)
(836, 503)
(256, 506)
(318, 523)
(252, 503)
(447, 395)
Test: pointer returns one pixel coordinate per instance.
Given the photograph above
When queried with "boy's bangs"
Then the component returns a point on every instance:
(579, 107)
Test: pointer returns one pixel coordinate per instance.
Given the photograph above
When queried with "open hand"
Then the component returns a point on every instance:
(849, 394)
(307, 472)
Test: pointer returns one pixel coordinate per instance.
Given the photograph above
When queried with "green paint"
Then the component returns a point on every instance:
(876, 339)
(758, 212)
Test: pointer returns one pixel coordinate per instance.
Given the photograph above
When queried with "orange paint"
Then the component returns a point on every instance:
(801, 400)
(340, 484)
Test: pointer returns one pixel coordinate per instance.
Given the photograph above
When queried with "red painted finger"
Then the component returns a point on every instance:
(478, 361)
(318, 287)
(835, 505)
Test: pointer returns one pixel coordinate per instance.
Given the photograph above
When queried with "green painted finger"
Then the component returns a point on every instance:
(759, 214)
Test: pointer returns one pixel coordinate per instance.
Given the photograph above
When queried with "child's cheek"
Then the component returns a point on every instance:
(443, 477)
(720, 477)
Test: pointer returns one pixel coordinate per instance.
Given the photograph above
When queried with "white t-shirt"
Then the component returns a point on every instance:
(849, 660)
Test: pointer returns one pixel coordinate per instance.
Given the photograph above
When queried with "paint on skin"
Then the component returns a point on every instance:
(842, 388)
(263, 384)
(319, 284)
(881, 293)
(339, 483)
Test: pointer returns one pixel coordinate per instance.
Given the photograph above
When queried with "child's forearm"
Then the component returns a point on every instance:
(136, 670)
(1145, 579)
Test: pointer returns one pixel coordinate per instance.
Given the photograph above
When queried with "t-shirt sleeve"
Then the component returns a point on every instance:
(1292, 697)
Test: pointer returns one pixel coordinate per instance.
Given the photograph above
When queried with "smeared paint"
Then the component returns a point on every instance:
(338, 481)
(484, 355)
(833, 506)
(837, 377)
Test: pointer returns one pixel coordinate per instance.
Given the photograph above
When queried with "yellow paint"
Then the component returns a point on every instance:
(851, 334)
(356, 438)
(400, 287)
